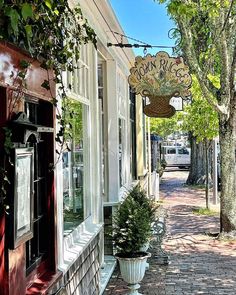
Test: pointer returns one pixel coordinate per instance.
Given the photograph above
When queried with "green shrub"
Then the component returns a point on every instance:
(140, 196)
(131, 227)
(132, 222)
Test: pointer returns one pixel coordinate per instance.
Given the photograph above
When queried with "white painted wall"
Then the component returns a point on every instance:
(117, 60)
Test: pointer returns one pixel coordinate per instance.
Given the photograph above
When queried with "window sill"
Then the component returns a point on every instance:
(145, 172)
(77, 241)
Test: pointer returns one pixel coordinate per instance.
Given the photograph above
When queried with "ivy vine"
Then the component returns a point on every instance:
(51, 32)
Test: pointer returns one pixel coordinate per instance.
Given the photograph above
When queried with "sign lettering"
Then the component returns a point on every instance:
(160, 75)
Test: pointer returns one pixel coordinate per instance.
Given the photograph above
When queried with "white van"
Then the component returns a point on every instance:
(176, 156)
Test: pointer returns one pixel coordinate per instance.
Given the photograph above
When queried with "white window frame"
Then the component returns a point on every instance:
(71, 246)
(123, 99)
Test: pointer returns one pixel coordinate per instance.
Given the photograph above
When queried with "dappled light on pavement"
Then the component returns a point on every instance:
(199, 262)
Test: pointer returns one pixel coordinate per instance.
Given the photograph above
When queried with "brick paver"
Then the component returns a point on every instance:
(199, 263)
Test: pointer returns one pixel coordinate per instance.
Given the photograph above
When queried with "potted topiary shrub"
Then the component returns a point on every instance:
(131, 230)
(140, 196)
(161, 167)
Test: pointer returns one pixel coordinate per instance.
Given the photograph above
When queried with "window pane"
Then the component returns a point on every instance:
(183, 151)
(171, 151)
(73, 168)
(121, 151)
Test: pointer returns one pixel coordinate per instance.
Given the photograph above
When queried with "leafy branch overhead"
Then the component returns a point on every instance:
(208, 41)
(48, 29)
(52, 32)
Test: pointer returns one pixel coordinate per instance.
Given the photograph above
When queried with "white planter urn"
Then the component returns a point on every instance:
(144, 248)
(133, 270)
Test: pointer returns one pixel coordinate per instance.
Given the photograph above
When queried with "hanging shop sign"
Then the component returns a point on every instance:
(160, 78)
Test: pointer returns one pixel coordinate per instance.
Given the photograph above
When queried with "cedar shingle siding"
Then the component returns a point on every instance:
(83, 276)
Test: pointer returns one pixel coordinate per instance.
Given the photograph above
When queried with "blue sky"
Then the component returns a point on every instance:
(146, 21)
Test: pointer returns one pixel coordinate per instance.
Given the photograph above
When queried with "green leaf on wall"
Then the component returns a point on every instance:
(26, 11)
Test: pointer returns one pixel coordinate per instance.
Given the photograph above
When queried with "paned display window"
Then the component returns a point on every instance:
(121, 151)
(75, 167)
(103, 140)
(133, 157)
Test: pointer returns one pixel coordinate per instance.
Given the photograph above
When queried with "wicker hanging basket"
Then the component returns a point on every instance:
(159, 107)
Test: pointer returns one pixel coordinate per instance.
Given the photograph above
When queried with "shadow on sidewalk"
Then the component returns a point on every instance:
(207, 272)
(200, 264)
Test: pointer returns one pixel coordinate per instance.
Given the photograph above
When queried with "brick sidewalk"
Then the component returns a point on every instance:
(200, 264)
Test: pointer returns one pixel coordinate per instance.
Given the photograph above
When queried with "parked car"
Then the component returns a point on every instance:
(176, 156)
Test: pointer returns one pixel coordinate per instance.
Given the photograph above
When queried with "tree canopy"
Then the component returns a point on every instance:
(201, 119)
(208, 41)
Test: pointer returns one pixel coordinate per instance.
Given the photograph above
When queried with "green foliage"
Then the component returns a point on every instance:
(131, 227)
(132, 222)
(201, 119)
(140, 196)
(52, 32)
(200, 113)
(202, 25)
(166, 126)
(50, 29)
(209, 46)
(4, 180)
(8, 145)
(73, 116)
(161, 167)
(204, 211)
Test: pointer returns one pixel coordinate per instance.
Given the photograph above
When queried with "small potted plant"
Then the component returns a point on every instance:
(161, 167)
(131, 230)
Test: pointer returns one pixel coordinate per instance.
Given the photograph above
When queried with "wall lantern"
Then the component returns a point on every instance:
(160, 78)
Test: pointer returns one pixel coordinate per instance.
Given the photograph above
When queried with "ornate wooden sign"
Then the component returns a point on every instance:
(160, 78)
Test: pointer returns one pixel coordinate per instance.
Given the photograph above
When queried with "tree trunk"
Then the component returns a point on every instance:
(197, 172)
(207, 172)
(228, 173)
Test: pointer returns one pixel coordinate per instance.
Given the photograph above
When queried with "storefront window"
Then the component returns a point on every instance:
(102, 130)
(133, 158)
(75, 164)
(121, 151)
(145, 147)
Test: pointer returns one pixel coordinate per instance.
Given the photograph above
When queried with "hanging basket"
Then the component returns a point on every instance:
(159, 107)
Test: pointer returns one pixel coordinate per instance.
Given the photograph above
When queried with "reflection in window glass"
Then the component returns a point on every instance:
(121, 151)
(73, 168)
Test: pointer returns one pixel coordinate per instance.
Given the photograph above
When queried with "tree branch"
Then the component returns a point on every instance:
(208, 90)
(224, 55)
(228, 15)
